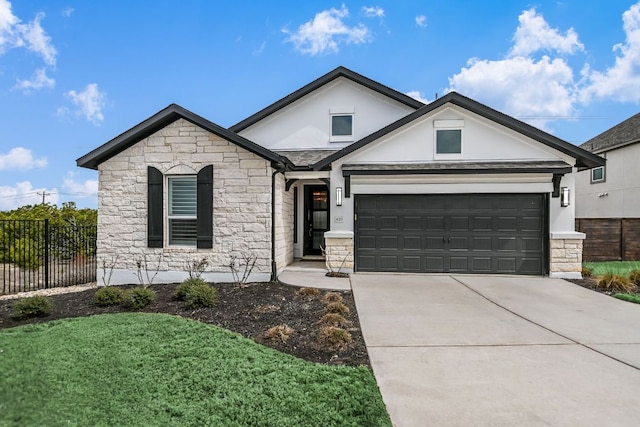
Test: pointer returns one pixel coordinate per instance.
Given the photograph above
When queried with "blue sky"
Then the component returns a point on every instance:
(75, 74)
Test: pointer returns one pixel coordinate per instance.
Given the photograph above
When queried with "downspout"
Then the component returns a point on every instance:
(279, 168)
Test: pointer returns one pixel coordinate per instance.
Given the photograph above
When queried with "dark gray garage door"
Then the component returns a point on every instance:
(461, 233)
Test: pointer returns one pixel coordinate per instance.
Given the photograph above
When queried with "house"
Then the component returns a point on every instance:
(382, 181)
(608, 197)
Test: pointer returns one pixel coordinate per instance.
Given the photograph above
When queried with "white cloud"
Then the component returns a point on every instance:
(416, 94)
(89, 103)
(23, 193)
(30, 35)
(524, 84)
(373, 11)
(67, 11)
(534, 34)
(38, 80)
(421, 21)
(88, 188)
(326, 31)
(259, 51)
(20, 158)
(621, 81)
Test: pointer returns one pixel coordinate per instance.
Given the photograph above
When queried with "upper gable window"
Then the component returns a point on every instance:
(597, 175)
(448, 138)
(341, 124)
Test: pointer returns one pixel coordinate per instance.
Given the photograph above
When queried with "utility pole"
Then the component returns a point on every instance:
(44, 193)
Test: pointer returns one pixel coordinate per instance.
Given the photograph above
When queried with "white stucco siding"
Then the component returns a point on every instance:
(482, 140)
(619, 195)
(306, 123)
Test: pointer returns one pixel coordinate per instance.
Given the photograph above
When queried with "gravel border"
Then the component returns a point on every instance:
(51, 291)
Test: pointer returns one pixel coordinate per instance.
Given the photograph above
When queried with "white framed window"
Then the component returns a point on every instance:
(597, 175)
(448, 138)
(182, 210)
(341, 124)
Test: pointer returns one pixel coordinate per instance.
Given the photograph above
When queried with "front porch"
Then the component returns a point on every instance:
(312, 274)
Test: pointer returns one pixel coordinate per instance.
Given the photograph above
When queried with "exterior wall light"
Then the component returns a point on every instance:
(338, 196)
(565, 193)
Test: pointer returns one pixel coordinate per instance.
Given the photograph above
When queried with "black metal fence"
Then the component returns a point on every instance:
(35, 254)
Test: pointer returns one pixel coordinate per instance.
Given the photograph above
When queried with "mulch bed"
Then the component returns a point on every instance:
(248, 310)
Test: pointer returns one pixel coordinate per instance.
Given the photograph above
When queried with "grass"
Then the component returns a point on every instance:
(621, 268)
(635, 298)
(161, 370)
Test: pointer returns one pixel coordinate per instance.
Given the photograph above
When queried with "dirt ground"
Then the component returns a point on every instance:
(248, 310)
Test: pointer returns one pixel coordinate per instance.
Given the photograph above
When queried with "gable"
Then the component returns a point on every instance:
(306, 123)
(481, 141)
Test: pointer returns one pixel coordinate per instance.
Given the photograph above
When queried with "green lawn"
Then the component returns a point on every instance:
(634, 298)
(160, 370)
(616, 267)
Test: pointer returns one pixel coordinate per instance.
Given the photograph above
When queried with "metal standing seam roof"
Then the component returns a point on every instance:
(624, 133)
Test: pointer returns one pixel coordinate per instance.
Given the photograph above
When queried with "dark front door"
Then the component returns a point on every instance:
(461, 233)
(316, 219)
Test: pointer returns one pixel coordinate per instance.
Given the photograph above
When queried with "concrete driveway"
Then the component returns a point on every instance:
(499, 351)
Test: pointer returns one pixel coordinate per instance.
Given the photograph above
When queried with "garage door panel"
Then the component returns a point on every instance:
(473, 233)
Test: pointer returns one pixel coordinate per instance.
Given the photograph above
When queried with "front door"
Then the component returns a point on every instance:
(316, 218)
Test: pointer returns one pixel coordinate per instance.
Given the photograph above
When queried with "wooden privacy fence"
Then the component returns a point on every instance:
(610, 239)
(35, 254)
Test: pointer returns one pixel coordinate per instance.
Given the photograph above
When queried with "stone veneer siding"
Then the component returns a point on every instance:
(284, 224)
(241, 205)
(339, 254)
(566, 258)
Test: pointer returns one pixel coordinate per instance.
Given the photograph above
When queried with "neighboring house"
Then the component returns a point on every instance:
(381, 180)
(608, 197)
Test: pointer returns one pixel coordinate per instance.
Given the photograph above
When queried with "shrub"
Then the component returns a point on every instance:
(333, 319)
(279, 333)
(196, 293)
(338, 308)
(615, 283)
(108, 295)
(266, 308)
(334, 338)
(587, 272)
(138, 297)
(634, 277)
(332, 297)
(628, 297)
(34, 306)
(308, 292)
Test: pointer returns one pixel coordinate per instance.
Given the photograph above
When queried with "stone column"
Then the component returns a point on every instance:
(565, 260)
(339, 251)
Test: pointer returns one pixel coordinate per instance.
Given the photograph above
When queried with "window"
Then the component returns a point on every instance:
(448, 141)
(597, 174)
(448, 138)
(341, 123)
(189, 209)
(183, 215)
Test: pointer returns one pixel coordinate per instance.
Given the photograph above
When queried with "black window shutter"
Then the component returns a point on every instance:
(205, 207)
(155, 218)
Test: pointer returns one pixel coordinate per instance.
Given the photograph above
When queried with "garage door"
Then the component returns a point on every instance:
(459, 233)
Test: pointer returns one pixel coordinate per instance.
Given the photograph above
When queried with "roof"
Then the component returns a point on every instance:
(584, 159)
(558, 167)
(321, 81)
(163, 118)
(624, 133)
(305, 158)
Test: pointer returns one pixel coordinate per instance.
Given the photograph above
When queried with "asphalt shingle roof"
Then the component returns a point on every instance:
(624, 133)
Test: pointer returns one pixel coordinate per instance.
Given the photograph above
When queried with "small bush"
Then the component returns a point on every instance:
(332, 297)
(266, 308)
(338, 308)
(279, 333)
(108, 295)
(138, 297)
(333, 319)
(587, 272)
(196, 293)
(634, 298)
(615, 283)
(34, 306)
(308, 292)
(634, 277)
(334, 338)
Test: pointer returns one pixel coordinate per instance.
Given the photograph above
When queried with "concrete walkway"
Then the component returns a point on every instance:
(499, 351)
(312, 274)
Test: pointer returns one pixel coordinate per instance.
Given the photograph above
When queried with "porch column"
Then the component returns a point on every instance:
(339, 251)
(565, 259)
